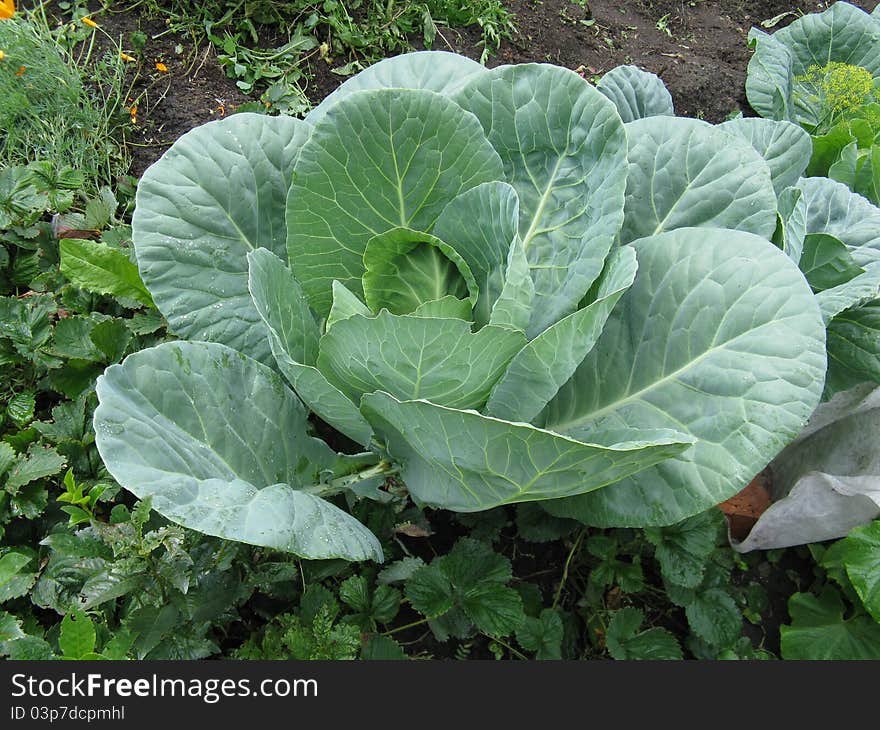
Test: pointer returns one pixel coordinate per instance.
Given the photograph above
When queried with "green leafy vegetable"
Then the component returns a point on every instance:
(781, 80)
(542, 634)
(470, 578)
(485, 280)
(636, 93)
(859, 552)
(244, 490)
(97, 267)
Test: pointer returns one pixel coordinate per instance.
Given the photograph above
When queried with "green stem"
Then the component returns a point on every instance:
(564, 578)
(507, 646)
(406, 626)
(334, 486)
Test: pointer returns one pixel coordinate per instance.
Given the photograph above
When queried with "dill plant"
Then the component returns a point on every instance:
(841, 91)
(48, 111)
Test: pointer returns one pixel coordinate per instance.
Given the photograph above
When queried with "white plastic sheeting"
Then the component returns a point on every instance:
(828, 480)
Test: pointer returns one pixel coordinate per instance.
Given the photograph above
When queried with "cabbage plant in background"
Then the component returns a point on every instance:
(496, 285)
(823, 73)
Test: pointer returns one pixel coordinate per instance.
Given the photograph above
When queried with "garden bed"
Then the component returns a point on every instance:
(86, 568)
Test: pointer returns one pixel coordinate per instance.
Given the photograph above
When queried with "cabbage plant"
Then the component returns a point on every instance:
(823, 72)
(786, 73)
(482, 282)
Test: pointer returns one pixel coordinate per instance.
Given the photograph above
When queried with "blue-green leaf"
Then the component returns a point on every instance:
(221, 445)
(463, 461)
(636, 93)
(413, 357)
(548, 361)
(481, 225)
(564, 151)
(216, 194)
(686, 173)
(719, 337)
(293, 338)
(377, 160)
(784, 146)
(438, 71)
(405, 269)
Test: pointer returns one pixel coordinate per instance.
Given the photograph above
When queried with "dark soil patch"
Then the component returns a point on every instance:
(792, 571)
(698, 47)
(194, 90)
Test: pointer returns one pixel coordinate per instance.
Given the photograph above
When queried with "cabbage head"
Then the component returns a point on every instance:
(480, 282)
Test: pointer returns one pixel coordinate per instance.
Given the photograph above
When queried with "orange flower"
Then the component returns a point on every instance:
(7, 9)
(21, 70)
(161, 67)
(89, 22)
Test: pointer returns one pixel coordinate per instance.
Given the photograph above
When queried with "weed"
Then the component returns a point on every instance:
(61, 100)
(348, 36)
(663, 25)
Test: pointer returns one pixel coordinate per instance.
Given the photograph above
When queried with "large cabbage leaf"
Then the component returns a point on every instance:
(461, 460)
(636, 93)
(414, 357)
(216, 194)
(377, 160)
(833, 209)
(785, 147)
(684, 173)
(220, 445)
(437, 71)
(293, 337)
(719, 337)
(563, 148)
(548, 361)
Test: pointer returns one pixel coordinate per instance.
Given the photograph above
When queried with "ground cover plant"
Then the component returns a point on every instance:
(570, 302)
(351, 35)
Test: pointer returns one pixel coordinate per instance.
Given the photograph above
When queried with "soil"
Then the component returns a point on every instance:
(698, 47)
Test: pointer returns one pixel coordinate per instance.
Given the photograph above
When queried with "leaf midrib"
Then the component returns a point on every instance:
(542, 203)
(580, 421)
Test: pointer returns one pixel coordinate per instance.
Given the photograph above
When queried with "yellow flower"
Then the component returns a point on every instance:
(125, 57)
(841, 87)
(2, 55)
(89, 22)
(161, 67)
(7, 9)
(846, 86)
